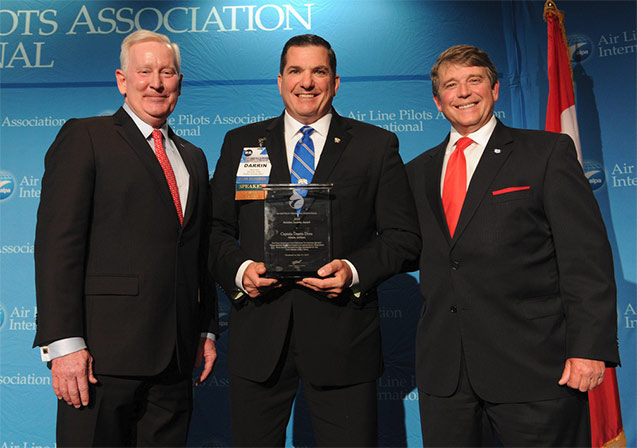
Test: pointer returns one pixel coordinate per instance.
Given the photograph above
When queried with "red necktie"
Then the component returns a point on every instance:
(160, 152)
(454, 188)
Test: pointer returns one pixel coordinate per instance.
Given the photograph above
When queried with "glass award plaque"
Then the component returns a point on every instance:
(298, 229)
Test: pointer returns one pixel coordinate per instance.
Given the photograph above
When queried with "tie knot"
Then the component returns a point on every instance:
(306, 131)
(158, 138)
(463, 143)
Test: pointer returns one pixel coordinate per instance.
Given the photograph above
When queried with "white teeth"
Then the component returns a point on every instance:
(467, 106)
(307, 95)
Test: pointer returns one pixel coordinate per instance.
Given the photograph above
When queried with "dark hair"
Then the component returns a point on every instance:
(307, 40)
(465, 55)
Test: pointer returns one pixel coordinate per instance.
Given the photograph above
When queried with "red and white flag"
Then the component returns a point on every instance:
(560, 110)
(606, 419)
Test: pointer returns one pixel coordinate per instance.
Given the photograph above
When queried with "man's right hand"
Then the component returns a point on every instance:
(70, 375)
(252, 280)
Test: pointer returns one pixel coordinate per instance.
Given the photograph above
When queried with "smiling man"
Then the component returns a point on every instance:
(125, 304)
(519, 315)
(322, 330)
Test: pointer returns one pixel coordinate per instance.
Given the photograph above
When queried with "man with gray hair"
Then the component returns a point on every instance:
(125, 304)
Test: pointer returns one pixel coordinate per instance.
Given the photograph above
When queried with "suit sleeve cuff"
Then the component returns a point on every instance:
(209, 336)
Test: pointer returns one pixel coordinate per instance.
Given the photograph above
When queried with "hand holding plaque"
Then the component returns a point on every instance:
(333, 279)
(298, 229)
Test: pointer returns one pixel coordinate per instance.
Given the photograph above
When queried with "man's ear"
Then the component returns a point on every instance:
(121, 81)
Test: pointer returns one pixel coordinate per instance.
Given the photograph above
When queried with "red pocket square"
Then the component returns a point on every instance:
(509, 190)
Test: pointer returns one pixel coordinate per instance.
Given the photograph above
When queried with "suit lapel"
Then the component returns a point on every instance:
(498, 150)
(432, 173)
(193, 184)
(337, 140)
(131, 134)
(274, 141)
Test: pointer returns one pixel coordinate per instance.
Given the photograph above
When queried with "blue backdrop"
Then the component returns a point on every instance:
(57, 61)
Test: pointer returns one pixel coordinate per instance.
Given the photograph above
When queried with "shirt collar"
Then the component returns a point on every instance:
(481, 136)
(145, 128)
(321, 126)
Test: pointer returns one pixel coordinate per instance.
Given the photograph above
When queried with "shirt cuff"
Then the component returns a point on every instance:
(209, 336)
(238, 279)
(61, 347)
(355, 279)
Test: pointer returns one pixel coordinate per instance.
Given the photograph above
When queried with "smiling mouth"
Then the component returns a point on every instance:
(466, 106)
(306, 95)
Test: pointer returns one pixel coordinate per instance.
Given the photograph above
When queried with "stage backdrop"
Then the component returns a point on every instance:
(57, 61)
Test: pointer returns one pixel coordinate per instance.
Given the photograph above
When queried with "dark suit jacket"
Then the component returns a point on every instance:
(526, 282)
(374, 226)
(113, 264)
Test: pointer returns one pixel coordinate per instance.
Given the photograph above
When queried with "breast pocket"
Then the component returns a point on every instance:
(501, 196)
(509, 218)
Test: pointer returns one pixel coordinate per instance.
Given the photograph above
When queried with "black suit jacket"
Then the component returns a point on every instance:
(113, 265)
(374, 226)
(526, 282)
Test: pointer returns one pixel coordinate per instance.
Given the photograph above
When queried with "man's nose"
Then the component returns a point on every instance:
(463, 89)
(156, 81)
(307, 81)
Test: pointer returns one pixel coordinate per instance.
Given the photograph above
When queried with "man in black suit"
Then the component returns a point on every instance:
(519, 314)
(125, 306)
(322, 330)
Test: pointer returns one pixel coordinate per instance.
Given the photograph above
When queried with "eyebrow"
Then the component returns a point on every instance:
(298, 67)
(471, 75)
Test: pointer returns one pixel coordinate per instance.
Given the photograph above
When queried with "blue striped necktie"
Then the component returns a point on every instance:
(303, 162)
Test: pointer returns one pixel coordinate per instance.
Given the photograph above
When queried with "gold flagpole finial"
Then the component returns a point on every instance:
(550, 8)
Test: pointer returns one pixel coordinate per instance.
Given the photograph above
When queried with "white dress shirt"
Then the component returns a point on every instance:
(179, 167)
(292, 135)
(472, 153)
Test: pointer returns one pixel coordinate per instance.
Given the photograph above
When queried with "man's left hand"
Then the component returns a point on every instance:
(583, 374)
(208, 352)
(336, 276)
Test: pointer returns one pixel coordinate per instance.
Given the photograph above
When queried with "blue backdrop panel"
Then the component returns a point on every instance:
(57, 61)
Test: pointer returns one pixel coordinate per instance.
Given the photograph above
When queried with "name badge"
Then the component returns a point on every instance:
(252, 174)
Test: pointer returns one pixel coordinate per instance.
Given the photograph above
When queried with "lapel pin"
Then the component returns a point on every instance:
(261, 141)
(337, 140)
(497, 150)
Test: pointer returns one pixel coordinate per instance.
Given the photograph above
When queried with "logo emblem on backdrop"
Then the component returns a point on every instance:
(3, 315)
(7, 185)
(580, 47)
(595, 174)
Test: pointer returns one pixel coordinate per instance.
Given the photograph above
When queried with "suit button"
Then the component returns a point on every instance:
(455, 265)
(181, 243)
(453, 309)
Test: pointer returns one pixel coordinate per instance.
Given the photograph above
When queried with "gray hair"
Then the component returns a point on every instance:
(144, 36)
